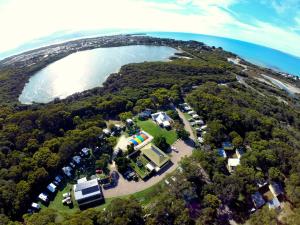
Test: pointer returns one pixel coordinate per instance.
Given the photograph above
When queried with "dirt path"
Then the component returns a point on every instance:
(125, 187)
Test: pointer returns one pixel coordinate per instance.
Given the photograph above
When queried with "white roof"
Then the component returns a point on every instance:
(43, 197)
(67, 170)
(166, 124)
(86, 189)
(233, 162)
(150, 166)
(81, 180)
(200, 139)
(35, 205)
(160, 117)
(195, 116)
(203, 127)
(106, 131)
(191, 112)
(129, 121)
(51, 187)
(274, 203)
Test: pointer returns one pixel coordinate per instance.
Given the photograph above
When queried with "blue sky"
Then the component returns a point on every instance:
(272, 23)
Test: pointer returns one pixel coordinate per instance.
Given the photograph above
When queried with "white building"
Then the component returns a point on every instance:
(162, 119)
(51, 187)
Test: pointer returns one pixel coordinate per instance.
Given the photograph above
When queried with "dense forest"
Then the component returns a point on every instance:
(36, 141)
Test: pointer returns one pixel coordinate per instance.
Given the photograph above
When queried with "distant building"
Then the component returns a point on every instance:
(67, 171)
(129, 122)
(162, 119)
(85, 151)
(146, 114)
(51, 187)
(88, 193)
(257, 200)
(157, 158)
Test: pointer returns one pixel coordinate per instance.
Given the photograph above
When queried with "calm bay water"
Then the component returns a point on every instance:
(256, 54)
(85, 70)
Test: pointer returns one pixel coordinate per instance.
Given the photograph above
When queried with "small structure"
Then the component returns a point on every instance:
(85, 151)
(257, 200)
(77, 159)
(239, 152)
(51, 187)
(35, 206)
(67, 171)
(232, 164)
(139, 140)
(157, 158)
(162, 119)
(191, 113)
(43, 197)
(222, 153)
(129, 122)
(88, 193)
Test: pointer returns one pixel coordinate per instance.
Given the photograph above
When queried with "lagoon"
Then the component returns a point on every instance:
(85, 70)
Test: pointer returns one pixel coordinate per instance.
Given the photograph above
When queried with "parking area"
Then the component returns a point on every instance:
(125, 187)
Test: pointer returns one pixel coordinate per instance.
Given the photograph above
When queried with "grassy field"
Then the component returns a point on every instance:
(150, 127)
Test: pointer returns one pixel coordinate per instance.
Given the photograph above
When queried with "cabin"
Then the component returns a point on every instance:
(52, 188)
(162, 119)
(77, 159)
(129, 122)
(85, 151)
(67, 171)
(87, 193)
(43, 197)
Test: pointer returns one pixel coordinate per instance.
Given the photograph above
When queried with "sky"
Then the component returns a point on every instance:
(272, 23)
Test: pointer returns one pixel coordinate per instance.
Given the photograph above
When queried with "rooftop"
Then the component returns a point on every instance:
(86, 189)
(157, 156)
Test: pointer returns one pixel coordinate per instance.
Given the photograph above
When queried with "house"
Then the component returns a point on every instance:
(276, 189)
(88, 193)
(43, 197)
(51, 187)
(162, 119)
(257, 200)
(85, 151)
(222, 153)
(156, 157)
(239, 152)
(129, 122)
(67, 171)
(232, 164)
(58, 179)
(146, 114)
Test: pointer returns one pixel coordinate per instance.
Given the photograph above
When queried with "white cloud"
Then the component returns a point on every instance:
(22, 21)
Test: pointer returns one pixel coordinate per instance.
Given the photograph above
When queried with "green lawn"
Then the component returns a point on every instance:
(153, 129)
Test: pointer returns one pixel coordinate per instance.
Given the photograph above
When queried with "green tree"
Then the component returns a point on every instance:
(161, 143)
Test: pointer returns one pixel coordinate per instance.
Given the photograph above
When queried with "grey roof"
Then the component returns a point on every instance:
(86, 189)
(276, 188)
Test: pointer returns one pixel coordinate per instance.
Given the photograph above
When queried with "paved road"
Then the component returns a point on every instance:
(187, 125)
(125, 187)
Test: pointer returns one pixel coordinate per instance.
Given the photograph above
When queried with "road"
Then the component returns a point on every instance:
(187, 125)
